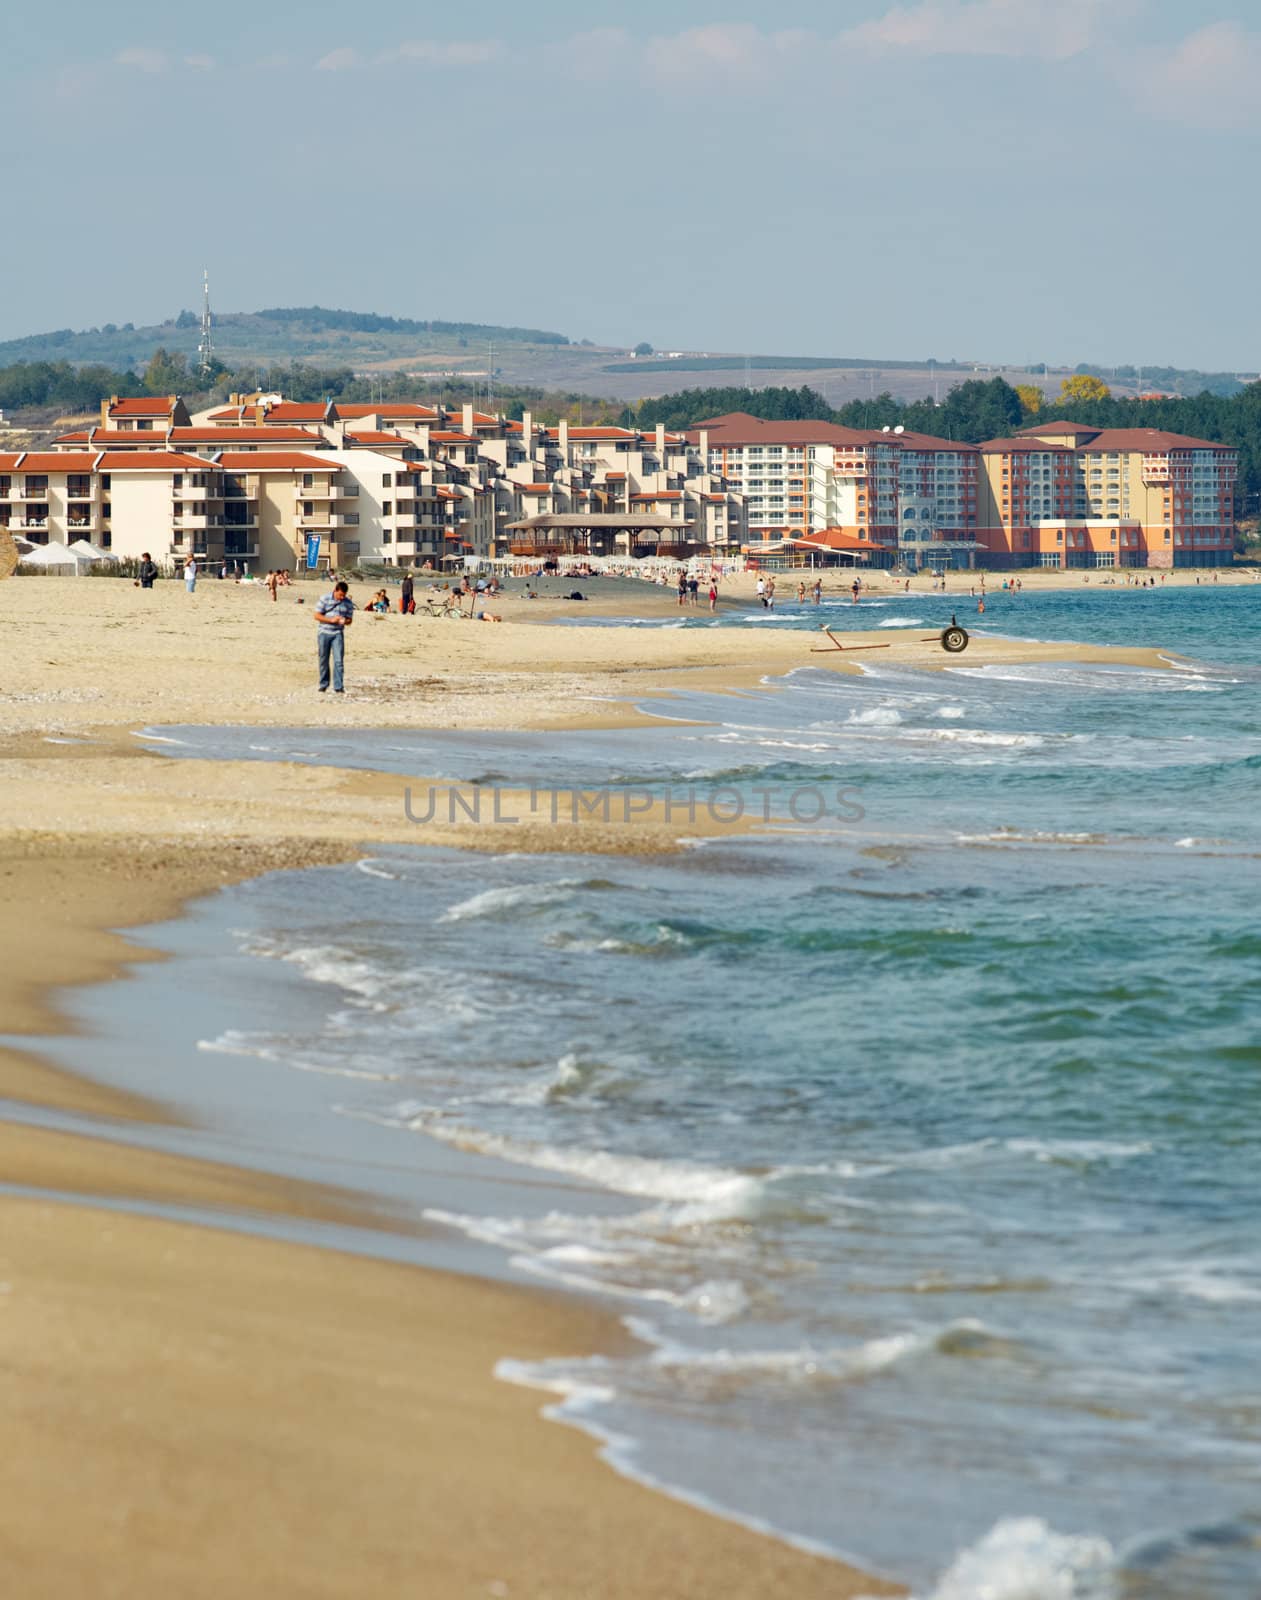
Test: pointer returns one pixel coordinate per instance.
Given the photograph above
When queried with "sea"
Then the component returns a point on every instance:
(912, 1122)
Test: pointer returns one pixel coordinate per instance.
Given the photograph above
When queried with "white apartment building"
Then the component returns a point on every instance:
(400, 484)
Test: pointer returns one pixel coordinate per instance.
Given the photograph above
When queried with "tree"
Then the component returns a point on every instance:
(1083, 387)
(167, 372)
(1030, 398)
(643, 348)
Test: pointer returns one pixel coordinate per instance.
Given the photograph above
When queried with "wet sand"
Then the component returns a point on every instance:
(197, 1412)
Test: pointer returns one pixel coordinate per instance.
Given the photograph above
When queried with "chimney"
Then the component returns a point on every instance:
(105, 407)
(562, 432)
(702, 444)
(467, 415)
(527, 434)
(661, 443)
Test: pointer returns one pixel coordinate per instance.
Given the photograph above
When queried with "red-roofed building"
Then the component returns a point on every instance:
(148, 414)
(191, 438)
(1060, 495)
(898, 489)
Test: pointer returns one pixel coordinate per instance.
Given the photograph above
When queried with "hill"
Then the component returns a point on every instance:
(282, 333)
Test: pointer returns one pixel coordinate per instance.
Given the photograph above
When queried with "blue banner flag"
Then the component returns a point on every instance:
(312, 551)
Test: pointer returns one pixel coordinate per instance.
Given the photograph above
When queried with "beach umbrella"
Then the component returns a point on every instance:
(52, 554)
(88, 551)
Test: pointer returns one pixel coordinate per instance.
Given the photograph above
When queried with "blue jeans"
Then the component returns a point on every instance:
(334, 645)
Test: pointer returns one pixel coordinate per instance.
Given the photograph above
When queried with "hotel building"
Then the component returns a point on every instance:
(1062, 495)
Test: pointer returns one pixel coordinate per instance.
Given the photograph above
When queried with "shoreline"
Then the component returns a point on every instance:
(177, 1363)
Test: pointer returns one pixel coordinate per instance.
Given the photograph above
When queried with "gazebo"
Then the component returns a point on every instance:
(597, 533)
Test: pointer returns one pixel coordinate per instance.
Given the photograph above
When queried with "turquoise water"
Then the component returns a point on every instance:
(1205, 620)
(936, 1118)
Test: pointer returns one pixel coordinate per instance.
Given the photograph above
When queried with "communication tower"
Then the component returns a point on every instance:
(205, 345)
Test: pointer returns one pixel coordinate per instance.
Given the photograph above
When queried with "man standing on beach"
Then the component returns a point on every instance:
(190, 574)
(335, 613)
(148, 570)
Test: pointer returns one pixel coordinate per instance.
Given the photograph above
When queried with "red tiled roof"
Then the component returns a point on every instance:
(46, 462)
(839, 539)
(1117, 440)
(535, 488)
(272, 461)
(151, 461)
(155, 406)
(1020, 445)
(602, 433)
(399, 409)
(449, 437)
(299, 411)
(377, 436)
(113, 439)
(660, 494)
(740, 428)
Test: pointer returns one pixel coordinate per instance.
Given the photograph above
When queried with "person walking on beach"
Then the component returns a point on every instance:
(334, 614)
(818, 591)
(713, 594)
(190, 574)
(768, 600)
(693, 588)
(273, 578)
(407, 599)
(801, 593)
(761, 590)
(148, 570)
(682, 588)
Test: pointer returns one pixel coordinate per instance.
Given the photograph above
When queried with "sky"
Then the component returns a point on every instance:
(990, 180)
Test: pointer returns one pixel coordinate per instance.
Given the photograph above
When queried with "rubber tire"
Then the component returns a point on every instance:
(954, 640)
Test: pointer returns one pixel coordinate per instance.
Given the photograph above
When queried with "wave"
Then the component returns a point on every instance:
(805, 1365)
(696, 1194)
(875, 717)
(516, 897)
(235, 1043)
(1021, 1558)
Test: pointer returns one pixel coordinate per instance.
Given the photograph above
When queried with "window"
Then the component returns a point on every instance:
(386, 480)
(387, 507)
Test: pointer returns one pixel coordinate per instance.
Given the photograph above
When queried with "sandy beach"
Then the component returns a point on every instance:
(194, 1411)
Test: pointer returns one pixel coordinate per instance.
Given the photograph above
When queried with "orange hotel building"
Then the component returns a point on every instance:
(1056, 495)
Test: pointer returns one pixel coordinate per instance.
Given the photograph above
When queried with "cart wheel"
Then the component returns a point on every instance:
(954, 640)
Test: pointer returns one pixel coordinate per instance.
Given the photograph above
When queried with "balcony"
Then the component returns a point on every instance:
(344, 519)
(31, 491)
(197, 520)
(320, 491)
(194, 491)
(315, 519)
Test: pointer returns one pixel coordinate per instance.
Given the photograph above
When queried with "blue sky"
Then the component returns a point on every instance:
(1009, 180)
